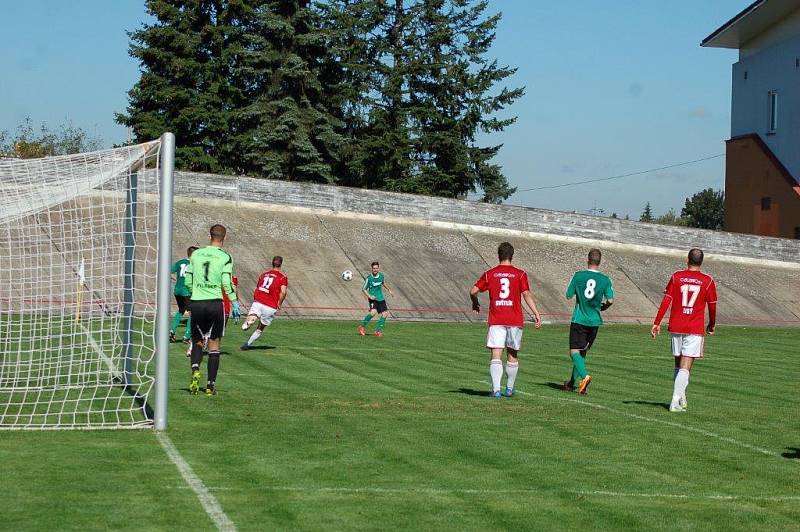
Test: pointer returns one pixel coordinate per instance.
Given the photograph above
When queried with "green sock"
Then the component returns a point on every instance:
(188, 332)
(575, 377)
(176, 320)
(366, 319)
(380, 324)
(579, 366)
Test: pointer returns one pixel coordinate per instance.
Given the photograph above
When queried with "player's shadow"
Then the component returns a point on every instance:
(554, 385)
(665, 406)
(792, 453)
(260, 347)
(470, 391)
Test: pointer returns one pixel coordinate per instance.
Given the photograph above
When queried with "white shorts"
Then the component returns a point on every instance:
(265, 313)
(688, 345)
(500, 336)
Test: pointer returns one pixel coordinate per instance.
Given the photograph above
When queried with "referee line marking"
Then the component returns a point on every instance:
(207, 500)
(703, 432)
(531, 491)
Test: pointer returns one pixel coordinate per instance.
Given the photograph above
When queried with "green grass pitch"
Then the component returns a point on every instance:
(321, 429)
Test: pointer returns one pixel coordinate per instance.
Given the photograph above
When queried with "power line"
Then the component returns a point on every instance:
(596, 180)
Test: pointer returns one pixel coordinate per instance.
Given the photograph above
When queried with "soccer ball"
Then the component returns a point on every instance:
(347, 275)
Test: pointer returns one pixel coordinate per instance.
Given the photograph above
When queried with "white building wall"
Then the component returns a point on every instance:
(773, 64)
(782, 31)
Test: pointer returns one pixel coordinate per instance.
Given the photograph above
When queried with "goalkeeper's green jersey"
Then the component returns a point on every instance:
(210, 270)
(373, 284)
(589, 288)
(179, 269)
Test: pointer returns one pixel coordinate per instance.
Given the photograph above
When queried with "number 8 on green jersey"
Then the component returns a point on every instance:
(590, 288)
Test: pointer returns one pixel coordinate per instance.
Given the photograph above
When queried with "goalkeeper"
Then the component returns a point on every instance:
(593, 293)
(210, 272)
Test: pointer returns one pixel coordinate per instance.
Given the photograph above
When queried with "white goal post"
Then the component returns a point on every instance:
(85, 289)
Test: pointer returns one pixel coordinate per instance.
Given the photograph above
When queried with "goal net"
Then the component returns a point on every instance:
(78, 278)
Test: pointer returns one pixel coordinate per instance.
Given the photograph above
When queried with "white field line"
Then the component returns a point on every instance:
(712, 496)
(654, 420)
(207, 500)
(522, 491)
(110, 363)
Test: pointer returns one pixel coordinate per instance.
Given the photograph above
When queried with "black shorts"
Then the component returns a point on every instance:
(208, 318)
(380, 306)
(183, 303)
(581, 337)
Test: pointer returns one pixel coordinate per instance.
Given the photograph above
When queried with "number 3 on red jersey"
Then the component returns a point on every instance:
(505, 288)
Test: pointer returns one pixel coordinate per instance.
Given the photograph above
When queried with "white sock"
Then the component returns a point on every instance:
(679, 389)
(674, 376)
(496, 372)
(511, 371)
(254, 337)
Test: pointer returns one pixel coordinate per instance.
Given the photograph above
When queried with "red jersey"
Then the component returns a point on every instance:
(505, 284)
(688, 292)
(268, 288)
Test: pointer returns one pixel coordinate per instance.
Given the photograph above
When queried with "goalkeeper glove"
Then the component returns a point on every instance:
(476, 306)
(236, 312)
(604, 306)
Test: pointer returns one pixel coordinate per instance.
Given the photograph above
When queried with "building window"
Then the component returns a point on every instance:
(766, 203)
(773, 112)
(745, 74)
(797, 233)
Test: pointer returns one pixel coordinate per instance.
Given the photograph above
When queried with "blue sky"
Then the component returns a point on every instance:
(611, 88)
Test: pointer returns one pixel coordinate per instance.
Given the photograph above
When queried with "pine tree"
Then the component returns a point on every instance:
(289, 131)
(387, 94)
(647, 214)
(187, 58)
(435, 88)
(351, 27)
(384, 156)
(456, 89)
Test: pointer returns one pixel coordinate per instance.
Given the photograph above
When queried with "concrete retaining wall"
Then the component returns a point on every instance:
(431, 269)
(538, 221)
(432, 251)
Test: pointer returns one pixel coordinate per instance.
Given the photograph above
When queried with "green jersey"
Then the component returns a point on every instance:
(179, 269)
(373, 284)
(210, 271)
(589, 288)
